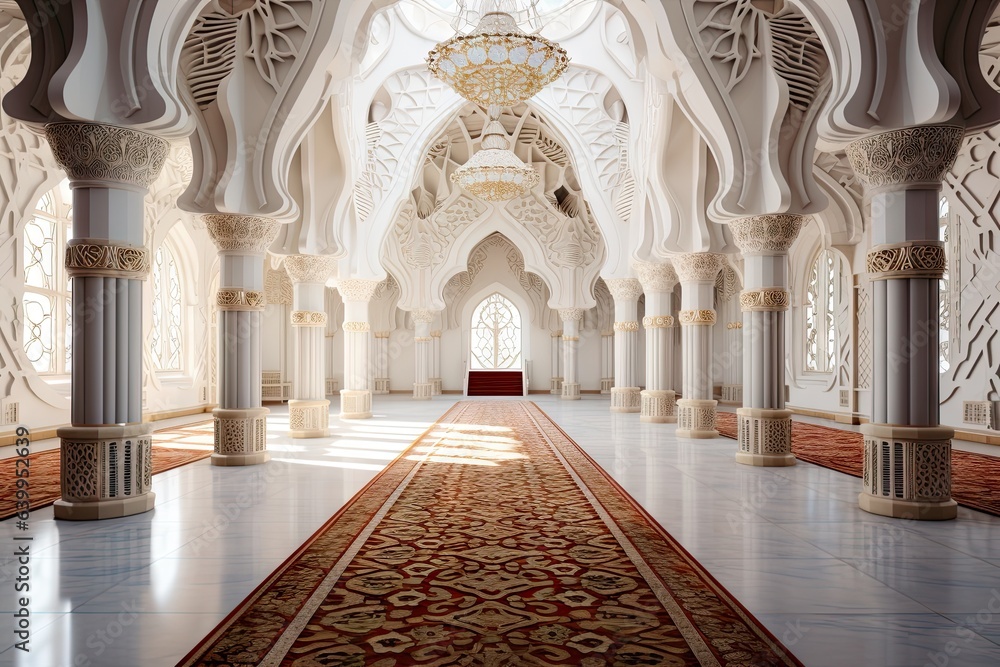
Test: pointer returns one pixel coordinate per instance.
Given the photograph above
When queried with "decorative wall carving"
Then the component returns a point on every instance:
(909, 156)
(277, 285)
(94, 152)
(569, 241)
(241, 233)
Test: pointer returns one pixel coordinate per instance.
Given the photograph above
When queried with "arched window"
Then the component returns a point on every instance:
(496, 334)
(47, 300)
(166, 337)
(821, 331)
(944, 294)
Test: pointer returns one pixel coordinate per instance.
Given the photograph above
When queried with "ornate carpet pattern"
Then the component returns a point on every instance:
(493, 540)
(172, 448)
(975, 478)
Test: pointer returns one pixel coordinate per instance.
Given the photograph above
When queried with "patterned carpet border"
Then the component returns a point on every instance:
(44, 466)
(649, 530)
(975, 478)
(329, 604)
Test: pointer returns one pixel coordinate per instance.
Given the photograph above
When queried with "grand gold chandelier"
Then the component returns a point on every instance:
(494, 173)
(497, 63)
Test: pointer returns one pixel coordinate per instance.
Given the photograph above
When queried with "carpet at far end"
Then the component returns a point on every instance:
(493, 540)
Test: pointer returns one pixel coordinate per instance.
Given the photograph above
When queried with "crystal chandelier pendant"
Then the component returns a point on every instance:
(497, 64)
(494, 173)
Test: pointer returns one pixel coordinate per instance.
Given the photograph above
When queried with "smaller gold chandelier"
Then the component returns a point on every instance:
(497, 64)
(494, 173)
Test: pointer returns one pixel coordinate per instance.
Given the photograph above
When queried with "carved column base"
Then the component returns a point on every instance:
(105, 471)
(658, 407)
(240, 437)
(355, 404)
(765, 437)
(381, 386)
(732, 394)
(626, 399)
(696, 418)
(907, 472)
(436, 386)
(423, 391)
(309, 419)
(555, 386)
(606, 385)
(570, 391)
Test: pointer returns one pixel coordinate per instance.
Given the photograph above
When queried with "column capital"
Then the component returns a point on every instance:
(694, 267)
(107, 155)
(97, 257)
(241, 234)
(571, 314)
(423, 315)
(910, 157)
(766, 234)
(357, 289)
(624, 289)
(310, 268)
(656, 276)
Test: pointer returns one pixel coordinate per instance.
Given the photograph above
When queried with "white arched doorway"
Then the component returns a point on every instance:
(496, 343)
(495, 335)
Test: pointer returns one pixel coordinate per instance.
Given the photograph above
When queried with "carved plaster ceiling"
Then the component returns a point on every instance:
(556, 213)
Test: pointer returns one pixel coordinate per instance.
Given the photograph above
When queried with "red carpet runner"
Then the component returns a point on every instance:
(496, 383)
(172, 448)
(492, 541)
(975, 478)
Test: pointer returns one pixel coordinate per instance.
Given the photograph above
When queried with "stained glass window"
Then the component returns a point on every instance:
(821, 331)
(165, 340)
(496, 334)
(944, 295)
(47, 304)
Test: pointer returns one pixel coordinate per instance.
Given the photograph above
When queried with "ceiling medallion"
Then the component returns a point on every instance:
(497, 64)
(494, 173)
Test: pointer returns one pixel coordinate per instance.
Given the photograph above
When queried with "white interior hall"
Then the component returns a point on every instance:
(745, 253)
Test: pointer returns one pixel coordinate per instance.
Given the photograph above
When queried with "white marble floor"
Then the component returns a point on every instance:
(836, 585)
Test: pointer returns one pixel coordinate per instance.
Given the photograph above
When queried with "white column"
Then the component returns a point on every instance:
(356, 396)
(435, 378)
(381, 362)
(423, 354)
(571, 318)
(732, 389)
(696, 411)
(907, 460)
(658, 398)
(309, 409)
(240, 421)
(765, 427)
(556, 379)
(625, 396)
(106, 462)
(607, 361)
